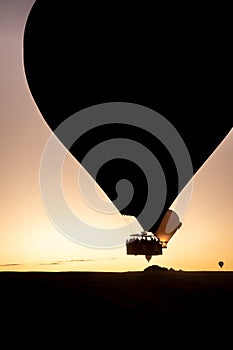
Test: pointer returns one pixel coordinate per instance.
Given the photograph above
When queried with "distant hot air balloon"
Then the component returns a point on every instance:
(168, 226)
(221, 263)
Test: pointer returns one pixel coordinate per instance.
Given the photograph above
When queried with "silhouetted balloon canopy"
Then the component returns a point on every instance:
(221, 263)
(75, 58)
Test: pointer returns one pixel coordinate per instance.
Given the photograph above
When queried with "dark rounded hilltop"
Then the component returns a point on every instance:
(158, 268)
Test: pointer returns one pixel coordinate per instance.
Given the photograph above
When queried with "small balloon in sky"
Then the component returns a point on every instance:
(221, 263)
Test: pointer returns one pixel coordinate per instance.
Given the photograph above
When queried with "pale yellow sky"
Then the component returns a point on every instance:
(30, 241)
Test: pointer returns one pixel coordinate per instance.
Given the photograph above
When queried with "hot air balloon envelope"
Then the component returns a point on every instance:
(221, 263)
(120, 73)
(168, 226)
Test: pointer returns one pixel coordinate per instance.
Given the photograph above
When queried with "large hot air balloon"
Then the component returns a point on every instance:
(75, 58)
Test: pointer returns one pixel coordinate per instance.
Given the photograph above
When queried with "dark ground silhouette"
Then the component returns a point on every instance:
(155, 295)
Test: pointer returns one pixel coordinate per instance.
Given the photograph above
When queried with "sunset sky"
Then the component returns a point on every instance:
(28, 238)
